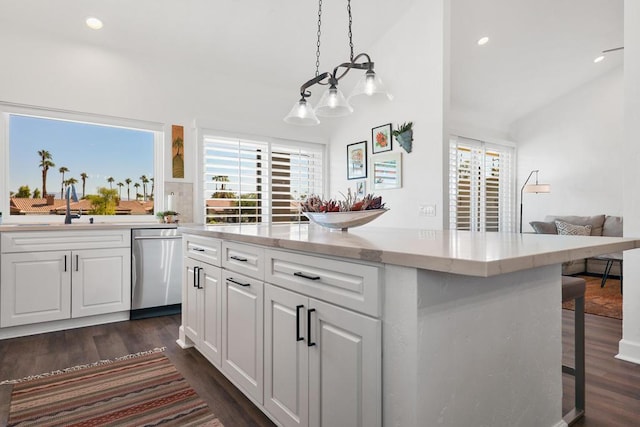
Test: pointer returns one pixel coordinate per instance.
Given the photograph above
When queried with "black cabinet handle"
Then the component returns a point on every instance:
(77, 262)
(65, 263)
(229, 279)
(198, 249)
(298, 337)
(306, 276)
(309, 342)
(199, 268)
(239, 258)
(195, 275)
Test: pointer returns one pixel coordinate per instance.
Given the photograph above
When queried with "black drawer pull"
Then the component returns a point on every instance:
(309, 342)
(198, 249)
(77, 262)
(199, 269)
(306, 276)
(65, 263)
(229, 279)
(195, 276)
(298, 337)
(239, 258)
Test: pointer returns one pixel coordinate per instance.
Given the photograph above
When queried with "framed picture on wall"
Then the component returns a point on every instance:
(361, 188)
(357, 160)
(381, 138)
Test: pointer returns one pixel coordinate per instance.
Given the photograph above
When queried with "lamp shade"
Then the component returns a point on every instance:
(370, 84)
(333, 104)
(537, 188)
(302, 114)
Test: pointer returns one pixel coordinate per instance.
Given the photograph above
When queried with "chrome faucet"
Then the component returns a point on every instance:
(70, 194)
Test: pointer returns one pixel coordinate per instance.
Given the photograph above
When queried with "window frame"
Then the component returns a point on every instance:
(205, 132)
(510, 191)
(158, 130)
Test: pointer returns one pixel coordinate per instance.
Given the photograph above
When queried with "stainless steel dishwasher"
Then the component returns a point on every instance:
(156, 273)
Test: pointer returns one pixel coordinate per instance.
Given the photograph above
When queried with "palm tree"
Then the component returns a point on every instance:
(45, 164)
(144, 180)
(70, 181)
(128, 182)
(62, 170)
(137, 185)
(120, 185)
(153, 187)
(110, 180)
(84, 177)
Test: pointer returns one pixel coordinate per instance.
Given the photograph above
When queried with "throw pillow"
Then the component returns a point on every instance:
(567, 229)
(541, 227)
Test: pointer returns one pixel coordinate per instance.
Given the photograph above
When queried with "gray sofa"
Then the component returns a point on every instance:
(601, 225)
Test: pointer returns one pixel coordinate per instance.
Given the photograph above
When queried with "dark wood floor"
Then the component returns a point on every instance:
(20, 357)
(613, 386)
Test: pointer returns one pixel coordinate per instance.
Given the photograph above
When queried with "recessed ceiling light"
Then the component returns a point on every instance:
(94, 23)
(483, 41)
(598, 59)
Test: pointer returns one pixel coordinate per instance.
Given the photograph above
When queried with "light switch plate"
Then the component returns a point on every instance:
(427, 210)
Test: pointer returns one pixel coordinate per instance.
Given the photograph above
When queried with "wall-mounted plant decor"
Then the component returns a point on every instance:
(404, 136)
(357, 160)
(381, 138)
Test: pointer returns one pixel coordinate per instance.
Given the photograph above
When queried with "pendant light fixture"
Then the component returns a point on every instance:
(333, 103)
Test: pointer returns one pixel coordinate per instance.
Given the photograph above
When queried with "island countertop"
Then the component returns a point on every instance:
(458, 252)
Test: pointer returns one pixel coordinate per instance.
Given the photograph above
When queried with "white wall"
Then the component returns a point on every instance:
(409, 59)
(577, 144)
(630, 344)
(85, 78)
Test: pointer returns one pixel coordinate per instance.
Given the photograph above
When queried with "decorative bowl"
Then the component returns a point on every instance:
(344, 220)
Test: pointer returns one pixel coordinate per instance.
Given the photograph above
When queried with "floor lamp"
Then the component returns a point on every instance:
(532, 188)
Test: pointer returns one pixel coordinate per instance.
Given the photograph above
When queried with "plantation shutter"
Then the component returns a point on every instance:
(481, 186)
(248, 181)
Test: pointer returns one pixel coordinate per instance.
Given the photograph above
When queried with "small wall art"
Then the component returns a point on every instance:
(177, 151)
(361, 189)
(357, 160)
(386, 171)
(381, 138)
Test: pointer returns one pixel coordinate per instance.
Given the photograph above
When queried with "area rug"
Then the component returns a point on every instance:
(605, 301)
(136, 390)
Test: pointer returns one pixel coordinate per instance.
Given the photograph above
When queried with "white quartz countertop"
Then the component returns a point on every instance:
(459, 252)
(60, 226)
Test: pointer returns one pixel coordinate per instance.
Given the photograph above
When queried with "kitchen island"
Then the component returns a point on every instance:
(470, 322)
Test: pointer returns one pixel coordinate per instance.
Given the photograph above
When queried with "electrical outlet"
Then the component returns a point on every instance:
(427, 210)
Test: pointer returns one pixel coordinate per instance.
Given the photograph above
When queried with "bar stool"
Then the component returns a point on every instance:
(573, 288)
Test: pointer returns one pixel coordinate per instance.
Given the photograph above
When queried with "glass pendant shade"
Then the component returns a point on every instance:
(370, 84)
(302, 114)
(333, 104)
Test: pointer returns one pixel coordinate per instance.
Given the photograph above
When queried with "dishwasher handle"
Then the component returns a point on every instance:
(157, 237)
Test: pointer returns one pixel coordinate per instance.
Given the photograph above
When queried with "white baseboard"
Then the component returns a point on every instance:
(629, 351)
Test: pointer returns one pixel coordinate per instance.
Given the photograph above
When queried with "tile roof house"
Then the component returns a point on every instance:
(42, 206)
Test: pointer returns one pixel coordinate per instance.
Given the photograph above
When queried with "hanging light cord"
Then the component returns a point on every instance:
(350, 33)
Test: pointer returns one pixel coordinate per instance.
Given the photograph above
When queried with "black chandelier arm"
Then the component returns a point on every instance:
(368, 65)
(314, 81)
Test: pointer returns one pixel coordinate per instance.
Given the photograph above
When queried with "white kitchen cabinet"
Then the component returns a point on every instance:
(100, 281)
(242, 332)
(201, 309)
(60, 275)
(322, 362)
(36, 287)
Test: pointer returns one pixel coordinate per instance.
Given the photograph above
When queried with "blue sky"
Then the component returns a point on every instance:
(100, 151)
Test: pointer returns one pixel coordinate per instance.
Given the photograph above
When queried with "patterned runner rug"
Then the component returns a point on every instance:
(136, 390)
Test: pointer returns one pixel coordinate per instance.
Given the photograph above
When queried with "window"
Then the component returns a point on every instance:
(249, 181)
(110, 163)
(481, 186)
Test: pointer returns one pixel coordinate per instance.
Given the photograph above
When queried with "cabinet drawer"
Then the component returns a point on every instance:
(245, 259)
(350, 285)
(205, 249)
(38, 241)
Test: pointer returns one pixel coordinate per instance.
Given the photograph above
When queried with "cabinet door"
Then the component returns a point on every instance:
(101, 281)
(35, 287)
(190, 301)
(344, 368)
(242, 332)
(210, 293)
(286, 358)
